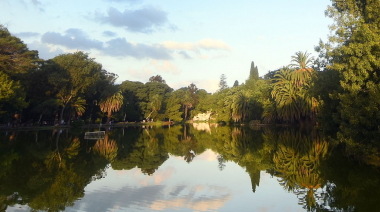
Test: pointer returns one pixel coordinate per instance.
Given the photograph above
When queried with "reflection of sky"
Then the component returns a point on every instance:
(177, 185)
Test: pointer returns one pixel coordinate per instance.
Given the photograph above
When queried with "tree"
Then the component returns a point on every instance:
(302, 63)
(223, 83)
(144, 95)
(293, 102)
(254, 72)
(236, 83)
(240, 105)
(72, 74)
(155, 105)
(15, 57)
(46, 107)
(187, 103)
(172, 109)
(12, 96)
(78, 106)
(111, 102)
(355, 56)
(157, 78)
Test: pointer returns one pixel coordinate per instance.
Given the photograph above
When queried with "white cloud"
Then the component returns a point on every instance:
(210, 86)
(204, 44)
(154, 67)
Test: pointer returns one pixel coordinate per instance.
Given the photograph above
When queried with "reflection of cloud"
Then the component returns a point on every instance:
(158, 177)
(202, 205)
(192, 199)
(157, 197)
(208, 155)
(142, 20)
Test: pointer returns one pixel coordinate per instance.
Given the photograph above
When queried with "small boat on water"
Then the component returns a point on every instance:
(94, 135)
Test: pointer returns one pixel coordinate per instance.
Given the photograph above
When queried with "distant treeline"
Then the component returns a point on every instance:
(337, 90)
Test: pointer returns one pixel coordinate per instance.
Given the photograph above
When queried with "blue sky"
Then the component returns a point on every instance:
(183, 41)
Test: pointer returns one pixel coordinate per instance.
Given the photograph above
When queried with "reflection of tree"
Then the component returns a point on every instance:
(353, 186)
(146, 153)
(48, 174)
(245, 147)
(221, 162)
(180, 142)
(106, 148)
(66, 188)
(297, 163)
(57, 157)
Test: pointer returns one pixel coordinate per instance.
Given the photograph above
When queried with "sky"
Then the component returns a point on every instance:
(183, 41)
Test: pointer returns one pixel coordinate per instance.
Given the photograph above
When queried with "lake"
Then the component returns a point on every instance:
(197, 167)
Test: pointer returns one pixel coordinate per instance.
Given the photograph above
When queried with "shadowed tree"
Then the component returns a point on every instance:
(72, 75)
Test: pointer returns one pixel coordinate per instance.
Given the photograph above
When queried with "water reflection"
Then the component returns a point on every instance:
(297, 164)
(159, 169)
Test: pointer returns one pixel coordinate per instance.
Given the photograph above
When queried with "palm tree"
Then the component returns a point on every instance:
(111, 103)
(293, 102)
(286, 96)
(77, 107)
(240, 106)
(302, 62)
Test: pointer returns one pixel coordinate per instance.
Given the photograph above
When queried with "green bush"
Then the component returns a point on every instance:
(98, 121)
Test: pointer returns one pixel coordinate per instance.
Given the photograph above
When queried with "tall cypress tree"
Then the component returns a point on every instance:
(254, 72)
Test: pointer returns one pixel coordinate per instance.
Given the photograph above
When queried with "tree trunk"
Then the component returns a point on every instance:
(61, 116)
(39, 120)
(109, 116)
(185, 112)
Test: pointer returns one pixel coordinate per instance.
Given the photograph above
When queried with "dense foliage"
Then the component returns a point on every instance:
(338, 89)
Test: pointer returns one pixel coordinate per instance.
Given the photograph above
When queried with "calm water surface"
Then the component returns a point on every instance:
(181, 168)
